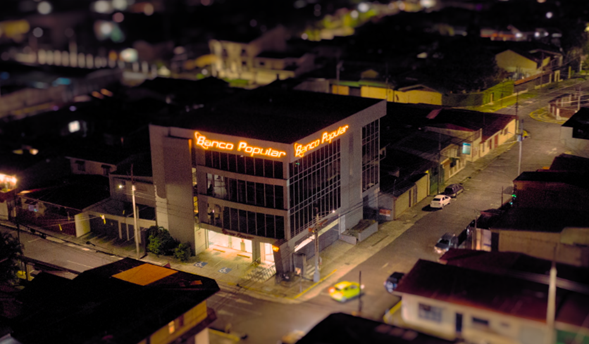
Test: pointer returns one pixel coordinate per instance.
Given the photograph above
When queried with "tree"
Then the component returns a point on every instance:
(10, 254)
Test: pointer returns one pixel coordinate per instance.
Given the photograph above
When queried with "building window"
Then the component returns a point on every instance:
(244, 164)
(370, 155)
(315, 182)
(430, 312)
(81, 165)
(245, 192)
(171, 327)
(480, 322)
(249, 222)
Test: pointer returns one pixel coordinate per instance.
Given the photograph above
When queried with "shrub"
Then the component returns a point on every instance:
(183, 252)
(160, 241)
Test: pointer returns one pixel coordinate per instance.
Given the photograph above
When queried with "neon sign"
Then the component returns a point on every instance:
(242, 146)
(301, 149)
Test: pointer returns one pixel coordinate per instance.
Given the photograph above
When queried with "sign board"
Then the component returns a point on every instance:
(466, 148)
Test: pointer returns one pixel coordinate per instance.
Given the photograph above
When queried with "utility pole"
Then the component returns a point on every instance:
(520, 138)
(316, 233)
(360, 293)
(134, 213)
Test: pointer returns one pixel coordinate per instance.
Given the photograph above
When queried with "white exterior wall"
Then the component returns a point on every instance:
(172, 175)
(502, 328)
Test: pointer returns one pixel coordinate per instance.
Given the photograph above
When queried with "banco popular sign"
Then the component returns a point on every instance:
(242, 146)
(326, 137)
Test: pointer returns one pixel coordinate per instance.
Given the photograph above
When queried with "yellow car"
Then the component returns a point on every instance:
(345, 290)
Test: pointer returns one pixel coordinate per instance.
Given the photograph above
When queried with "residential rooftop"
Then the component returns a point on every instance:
(504, 294)
(339, 328)
(124, 302)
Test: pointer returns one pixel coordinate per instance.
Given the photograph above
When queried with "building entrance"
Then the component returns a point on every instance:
(230, 242)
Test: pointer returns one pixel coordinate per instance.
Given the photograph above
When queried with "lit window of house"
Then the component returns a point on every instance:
(430, 312)
(171, 327)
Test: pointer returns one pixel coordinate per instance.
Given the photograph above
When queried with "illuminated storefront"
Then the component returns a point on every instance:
(265, 167)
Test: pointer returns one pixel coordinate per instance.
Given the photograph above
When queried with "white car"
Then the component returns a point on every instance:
(440, 201)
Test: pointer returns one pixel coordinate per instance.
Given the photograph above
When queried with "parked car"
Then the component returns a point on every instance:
(453, 190)
(440, 201)
(391, 282)
(446, 242)
(345, 290)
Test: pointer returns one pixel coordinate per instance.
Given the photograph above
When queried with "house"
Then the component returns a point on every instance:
(485, 303)
(127, 301)
(438, 149)
(60, 207)
(575, 133)
(258, 57)
(405, 181)
(346, 328)
(479, 132)
(525, 65)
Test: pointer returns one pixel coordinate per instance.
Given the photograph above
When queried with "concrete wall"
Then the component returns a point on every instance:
(578, 147)
(543, 245)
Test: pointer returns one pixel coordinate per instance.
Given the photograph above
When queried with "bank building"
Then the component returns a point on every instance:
(262, 170)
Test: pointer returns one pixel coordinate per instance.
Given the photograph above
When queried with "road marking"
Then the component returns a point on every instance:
(34, 240)
(223, 312)
(244, 301)
(88, 266)
(384, 266)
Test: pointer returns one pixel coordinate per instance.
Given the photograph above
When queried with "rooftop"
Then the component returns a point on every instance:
(68, 194)
(346, 328)
(572, 178)
(539, 220)
(125, 301)
(508, 295)
(275, 115)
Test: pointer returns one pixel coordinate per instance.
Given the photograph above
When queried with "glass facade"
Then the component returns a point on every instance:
(315, 181)
(244, 164)
(370, 155)
(246, 192)
(249, 222)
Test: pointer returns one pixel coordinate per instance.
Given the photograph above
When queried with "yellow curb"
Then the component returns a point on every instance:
(321, 280)
(391, 311)
(226, 335)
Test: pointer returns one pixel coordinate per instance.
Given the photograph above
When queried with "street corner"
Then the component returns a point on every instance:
(542, 115)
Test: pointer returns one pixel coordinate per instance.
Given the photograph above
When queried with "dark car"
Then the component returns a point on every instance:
(446, 242)
(391, 283)
(453, 190)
